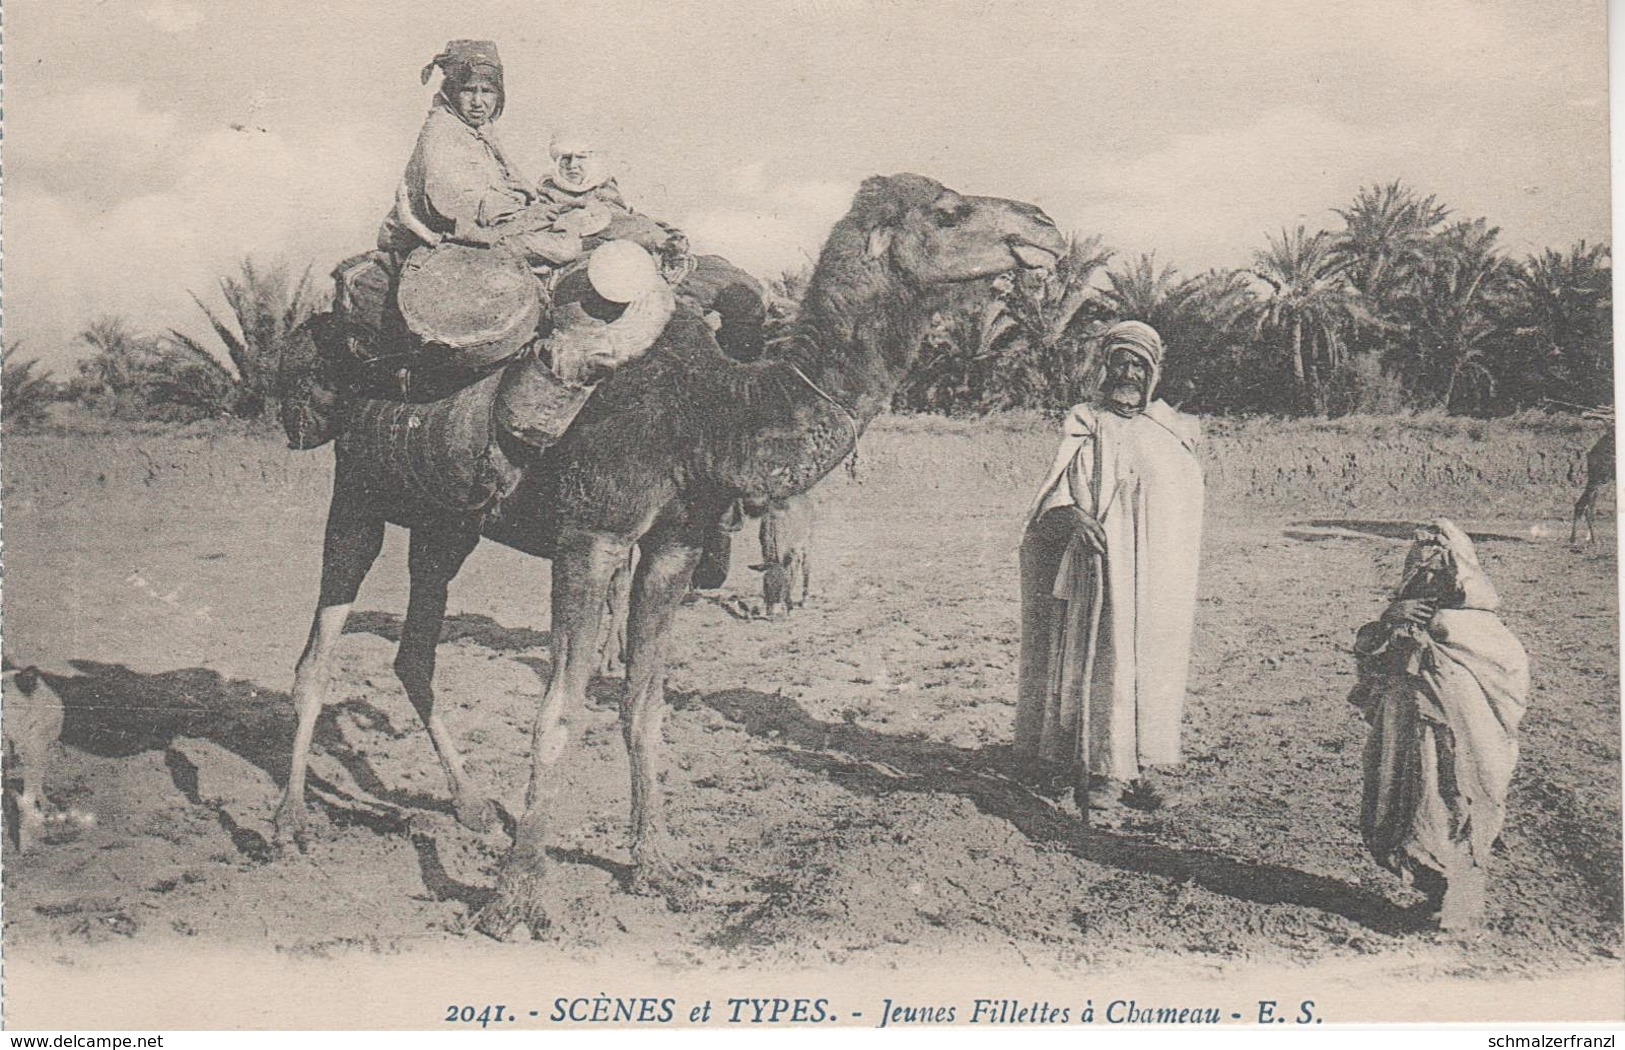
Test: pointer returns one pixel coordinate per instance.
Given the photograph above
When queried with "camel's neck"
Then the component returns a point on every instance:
(855, 342)
(849, 348)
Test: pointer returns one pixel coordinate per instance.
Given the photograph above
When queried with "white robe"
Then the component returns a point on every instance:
(1141, 478)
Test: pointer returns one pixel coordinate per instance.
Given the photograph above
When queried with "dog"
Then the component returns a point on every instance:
(31, 720)
(786, 538)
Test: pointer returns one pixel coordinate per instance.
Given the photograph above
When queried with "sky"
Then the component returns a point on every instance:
(150, 145)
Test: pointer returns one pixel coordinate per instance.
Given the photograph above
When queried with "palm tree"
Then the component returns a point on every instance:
(956, 371)
(1386, 234)
(1558, 328)
(187, 382)
(111, 379)
(132, 375)
(25, 395)
(1310, 305)
(1450, 310)
(268, 305)
(1142, 292)
(1038, 326)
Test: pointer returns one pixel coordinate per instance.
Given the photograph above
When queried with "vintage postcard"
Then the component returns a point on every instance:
(815, 514)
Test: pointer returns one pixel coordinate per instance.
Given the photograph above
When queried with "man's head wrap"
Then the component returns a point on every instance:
(1141, 340)
(595, 167)
(463, 61)
(572, 141)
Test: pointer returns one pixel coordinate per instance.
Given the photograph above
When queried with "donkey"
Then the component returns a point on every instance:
(1599, 472)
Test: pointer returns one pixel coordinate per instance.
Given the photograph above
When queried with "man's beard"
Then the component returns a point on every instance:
(1125, 396)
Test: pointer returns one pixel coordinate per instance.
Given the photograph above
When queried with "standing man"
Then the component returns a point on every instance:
(1108, 586)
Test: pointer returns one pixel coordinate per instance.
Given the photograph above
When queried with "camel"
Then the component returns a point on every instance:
(1599, 472)
(664, 447)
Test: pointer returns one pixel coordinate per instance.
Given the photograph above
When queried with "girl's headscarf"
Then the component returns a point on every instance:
(1442, 564)
(463, 61)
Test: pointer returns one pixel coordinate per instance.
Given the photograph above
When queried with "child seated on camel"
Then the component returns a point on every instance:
(582, 176)
(584, 179)
(578, 208)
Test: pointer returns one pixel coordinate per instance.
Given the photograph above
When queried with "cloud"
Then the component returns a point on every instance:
(172, 17)
(1199, 200)
(99, 141)
(1209, 199)
(1193, 127)
(768, 226)
(1431, 40)
(229, 194)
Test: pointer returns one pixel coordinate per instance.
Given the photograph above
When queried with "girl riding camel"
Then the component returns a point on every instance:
(459, 182)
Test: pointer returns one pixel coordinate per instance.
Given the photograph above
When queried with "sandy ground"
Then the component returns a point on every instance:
(838, 779)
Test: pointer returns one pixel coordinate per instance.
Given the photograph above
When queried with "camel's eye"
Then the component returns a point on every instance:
(951, 211)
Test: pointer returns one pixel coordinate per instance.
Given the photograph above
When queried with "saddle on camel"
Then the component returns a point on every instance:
(468, 365)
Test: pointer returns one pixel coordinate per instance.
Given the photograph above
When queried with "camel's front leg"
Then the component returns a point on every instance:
(662, 579)
(581, 577)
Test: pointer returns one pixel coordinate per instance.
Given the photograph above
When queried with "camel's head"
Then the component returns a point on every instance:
(931, 235)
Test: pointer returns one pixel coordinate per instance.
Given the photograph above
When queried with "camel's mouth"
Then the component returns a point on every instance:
(1033, 257)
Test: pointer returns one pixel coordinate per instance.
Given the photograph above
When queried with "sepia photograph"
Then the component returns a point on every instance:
(809, 515)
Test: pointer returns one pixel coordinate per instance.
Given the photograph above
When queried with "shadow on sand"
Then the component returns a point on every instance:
(1342, 528)
(476, 627)
(112, 711)
(877, 764)
(115, 712)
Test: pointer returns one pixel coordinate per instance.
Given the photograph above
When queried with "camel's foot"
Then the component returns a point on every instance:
(475, 813)
(655, 875)
(518, 910)
(290, 823)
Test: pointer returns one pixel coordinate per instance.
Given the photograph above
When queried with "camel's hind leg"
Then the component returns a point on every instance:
(777, 570)
(437, 553)
(658, 589)
(582, 570)
(355, 535)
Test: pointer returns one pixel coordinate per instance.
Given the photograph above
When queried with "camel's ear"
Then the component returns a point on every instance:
(879, 241)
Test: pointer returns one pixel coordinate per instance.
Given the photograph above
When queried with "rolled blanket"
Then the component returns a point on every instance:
(441, 451)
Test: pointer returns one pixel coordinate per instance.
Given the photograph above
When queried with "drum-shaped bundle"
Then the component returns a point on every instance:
(468, 307)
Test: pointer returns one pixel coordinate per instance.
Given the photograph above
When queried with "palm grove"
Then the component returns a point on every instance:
(1402, 306)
